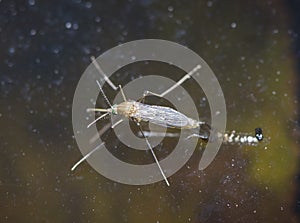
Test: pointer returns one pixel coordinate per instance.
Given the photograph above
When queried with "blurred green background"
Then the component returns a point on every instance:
(252, 47)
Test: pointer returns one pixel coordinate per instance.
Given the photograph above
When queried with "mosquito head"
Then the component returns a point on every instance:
(113, 110)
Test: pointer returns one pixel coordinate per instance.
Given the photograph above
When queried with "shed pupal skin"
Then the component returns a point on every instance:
(234, 137)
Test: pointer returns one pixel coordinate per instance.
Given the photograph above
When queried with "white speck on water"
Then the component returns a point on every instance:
(254, 211)
(170, 8)
(99, 30)
(97, 19)
(243, 58)
(88, 5)
(93, 101)
(209, 4)
(33, 32)
(170, 15)
(75, 26)
(11, 50)
(273, 92)
(31, 2)
(68, 25)
(133, 58)
(233, 25)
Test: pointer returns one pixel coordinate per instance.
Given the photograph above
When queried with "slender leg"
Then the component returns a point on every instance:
(203, 137)
(122, 92)
(93, 139)
(86, 156)
(154, 156)
(103, 74)
(104, 129)
(205, 132)
(187, 76)
(100, 132)
(97, 119)
(117, 123)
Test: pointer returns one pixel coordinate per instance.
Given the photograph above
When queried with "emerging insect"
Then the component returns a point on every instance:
(163, 116)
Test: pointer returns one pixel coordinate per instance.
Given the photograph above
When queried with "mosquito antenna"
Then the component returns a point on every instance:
(102, 92)
(97, 119)
(154, 156)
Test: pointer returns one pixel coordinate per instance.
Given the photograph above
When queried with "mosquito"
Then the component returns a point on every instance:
(162, 116)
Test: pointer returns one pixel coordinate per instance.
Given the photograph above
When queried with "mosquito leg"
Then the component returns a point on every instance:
(154, 156)
(86, 156)
(94, 138)
(117, 123)
(146, 93)
(122, 92)
(104, 129)
(103, 74)
(203, 137)
(97, 119)
(183, 79)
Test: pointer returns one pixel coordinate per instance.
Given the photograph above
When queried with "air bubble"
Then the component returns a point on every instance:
(31, 2)
(33, 32)
(209, 4)
(68, 25)
(170, 9)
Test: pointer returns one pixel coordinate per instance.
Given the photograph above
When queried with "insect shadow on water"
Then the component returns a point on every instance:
(139, 112)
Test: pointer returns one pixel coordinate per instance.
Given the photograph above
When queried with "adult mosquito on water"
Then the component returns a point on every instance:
(165, 116)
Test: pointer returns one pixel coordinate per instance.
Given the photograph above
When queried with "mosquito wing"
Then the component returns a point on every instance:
(163, 116)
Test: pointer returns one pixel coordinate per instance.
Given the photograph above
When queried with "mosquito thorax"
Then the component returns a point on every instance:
(126, 108)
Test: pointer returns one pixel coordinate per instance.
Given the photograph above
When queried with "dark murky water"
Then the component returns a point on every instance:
(45, 46)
